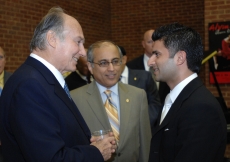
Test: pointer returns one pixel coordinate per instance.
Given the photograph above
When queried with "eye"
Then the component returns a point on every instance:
(115, 62)
(79, 41)
(103, 63)
(156, 53)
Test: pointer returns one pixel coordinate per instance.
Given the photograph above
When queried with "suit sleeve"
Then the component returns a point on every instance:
(145, 132)
(37, 131)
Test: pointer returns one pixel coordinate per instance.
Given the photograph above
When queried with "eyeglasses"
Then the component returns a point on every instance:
(104, 63)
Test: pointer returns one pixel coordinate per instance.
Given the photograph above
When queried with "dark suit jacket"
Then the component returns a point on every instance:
(138, 64)
(74, 80)
(39, 123)
(6, 76)
(194, 130)
(143, 79)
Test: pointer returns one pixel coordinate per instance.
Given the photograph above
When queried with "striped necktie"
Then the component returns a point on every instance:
(67, 90)
(112, 113)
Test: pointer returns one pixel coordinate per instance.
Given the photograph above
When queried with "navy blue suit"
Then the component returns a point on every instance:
(39, 123)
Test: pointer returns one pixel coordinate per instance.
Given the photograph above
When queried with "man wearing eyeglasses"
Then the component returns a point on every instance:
(130, 103)
(4, 75)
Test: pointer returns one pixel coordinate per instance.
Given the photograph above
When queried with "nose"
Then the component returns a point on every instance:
(151, 60)
(110, 67)
(82, 51)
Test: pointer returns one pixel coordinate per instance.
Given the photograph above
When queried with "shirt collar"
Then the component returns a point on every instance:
(55, 72)
(125, 74)
(179, 87)
(102, 89)
(146, 59)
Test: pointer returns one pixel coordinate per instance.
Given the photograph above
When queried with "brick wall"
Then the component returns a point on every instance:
(217, 11)
(131, 18)
(121, 21)
(18, 19)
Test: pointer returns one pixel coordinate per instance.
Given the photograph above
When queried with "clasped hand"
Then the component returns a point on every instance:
(107, 146)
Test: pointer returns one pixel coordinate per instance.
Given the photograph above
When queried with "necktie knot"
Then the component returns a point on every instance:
(168, 100)
(108, 93)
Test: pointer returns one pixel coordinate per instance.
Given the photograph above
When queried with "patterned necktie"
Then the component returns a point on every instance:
(111, 111)
(167, 105)
(67, 90)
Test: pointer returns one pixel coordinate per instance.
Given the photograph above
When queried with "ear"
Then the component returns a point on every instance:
(181, 57)
(143, 44)
(51, 38)
(90, 67)
(124, 59)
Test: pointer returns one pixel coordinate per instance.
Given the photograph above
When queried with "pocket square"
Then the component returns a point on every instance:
(166, 129)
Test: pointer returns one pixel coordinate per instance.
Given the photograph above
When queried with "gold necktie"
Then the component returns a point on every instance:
(111, 111)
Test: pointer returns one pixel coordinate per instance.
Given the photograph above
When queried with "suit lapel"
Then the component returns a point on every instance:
(125, 108)
(60, 92)
(73, 108)
(96, 105)
(185, 93)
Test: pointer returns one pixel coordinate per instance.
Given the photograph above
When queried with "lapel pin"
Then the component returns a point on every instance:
(127, 100)
(135, 78)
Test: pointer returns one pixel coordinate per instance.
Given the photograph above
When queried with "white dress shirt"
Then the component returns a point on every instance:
(146, 59)
(125, 75)
(55, 72)
(114, 95)
(177, 90)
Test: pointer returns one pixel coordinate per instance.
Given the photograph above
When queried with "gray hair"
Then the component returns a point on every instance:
(54, 21)
(98, 44)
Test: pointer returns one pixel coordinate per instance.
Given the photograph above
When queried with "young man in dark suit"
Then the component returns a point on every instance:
(142, 79)
(39, 122)
(140, 63)
(191, 127)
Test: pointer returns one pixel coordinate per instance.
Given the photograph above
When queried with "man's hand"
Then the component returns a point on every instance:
(107, 146)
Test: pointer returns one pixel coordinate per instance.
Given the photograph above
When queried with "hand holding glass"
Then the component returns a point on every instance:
(101, 134)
